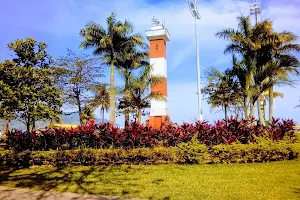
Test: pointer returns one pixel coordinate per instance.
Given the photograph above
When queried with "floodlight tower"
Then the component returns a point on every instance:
(255, 9)
(196, 15)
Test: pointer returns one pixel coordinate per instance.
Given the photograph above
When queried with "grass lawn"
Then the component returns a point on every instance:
(277, 180)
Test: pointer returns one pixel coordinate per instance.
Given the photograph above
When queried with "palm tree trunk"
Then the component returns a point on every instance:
(260, 111)
(126, 115)
(102, 112)
(246, 108)
(139, 116)
(225, 109)
(28, 124)
(7, 127)
(126, 111)
(112, 100)
(252, 109)
(271, 102)
(33, 123)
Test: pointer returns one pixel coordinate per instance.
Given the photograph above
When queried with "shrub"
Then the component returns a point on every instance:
(158, 155)
(192, 152)
(107, 136)
(279, 129)
(263, 150)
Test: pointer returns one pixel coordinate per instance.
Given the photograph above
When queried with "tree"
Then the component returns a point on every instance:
(266, 97)
(129, 60)
(76, 74)
(222, 89)
(140, 93)
(265, 58)
(87, 114)
(279, 61)
(242, 45)
(9, 102)
(30, 53)
(101, 98)
(109, 44)
(29, 79)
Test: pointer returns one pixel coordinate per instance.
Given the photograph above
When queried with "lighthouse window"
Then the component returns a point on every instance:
(157, 47)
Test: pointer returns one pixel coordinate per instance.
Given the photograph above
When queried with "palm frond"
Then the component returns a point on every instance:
(226, 33)
(155, 96)
(213, 73)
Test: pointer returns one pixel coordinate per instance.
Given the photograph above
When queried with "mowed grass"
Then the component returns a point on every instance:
(277, 180)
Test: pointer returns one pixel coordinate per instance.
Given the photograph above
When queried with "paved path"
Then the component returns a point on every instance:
(26, 194)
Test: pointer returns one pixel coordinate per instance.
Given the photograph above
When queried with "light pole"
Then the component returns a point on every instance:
(195, 14)
(255, 9)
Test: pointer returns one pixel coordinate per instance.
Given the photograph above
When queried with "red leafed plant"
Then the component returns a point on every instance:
(104, 135)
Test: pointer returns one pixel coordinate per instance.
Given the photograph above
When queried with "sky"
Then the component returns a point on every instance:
(58, 22)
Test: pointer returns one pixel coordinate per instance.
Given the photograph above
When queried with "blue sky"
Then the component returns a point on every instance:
(58, 22)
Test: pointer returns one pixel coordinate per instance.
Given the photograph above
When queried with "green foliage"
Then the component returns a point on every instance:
(139, 93)
(76, 74)
(266, 59)
(30, 53)
(159, 155)
(127, 64)
(101, 98)
(28, 91)
(223, 90)
(264, 150)
(193, 152)
(109, 44)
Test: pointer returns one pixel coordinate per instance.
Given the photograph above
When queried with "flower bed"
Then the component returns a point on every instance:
(106, 136)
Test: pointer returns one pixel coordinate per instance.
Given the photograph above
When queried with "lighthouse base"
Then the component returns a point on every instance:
(158, 121)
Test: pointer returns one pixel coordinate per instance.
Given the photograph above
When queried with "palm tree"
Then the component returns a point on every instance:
(266, 97)
(87, 114)
(101, 98)
(130, 60)
(266, 58)
(140, 93)
(280, 62)
(223, 90)
(242, 45)
(109, 44)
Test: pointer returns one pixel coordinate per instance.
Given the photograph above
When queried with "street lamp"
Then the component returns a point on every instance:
(255, 9)
(195, 14)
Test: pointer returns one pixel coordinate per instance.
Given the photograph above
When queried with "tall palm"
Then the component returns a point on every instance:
(266, 97)
(241, 71)
(101, 99)
(109, 44)
(242, 45)
(280, 62)
(140, 92)
(130, 60)
(265, 57)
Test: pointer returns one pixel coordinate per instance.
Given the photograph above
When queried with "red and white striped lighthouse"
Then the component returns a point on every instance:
(158, 36)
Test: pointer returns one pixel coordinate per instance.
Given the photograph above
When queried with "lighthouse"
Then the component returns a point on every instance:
(158, 37)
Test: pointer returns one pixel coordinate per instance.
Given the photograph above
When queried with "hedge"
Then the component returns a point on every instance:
(106, 136)
(185, 153)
